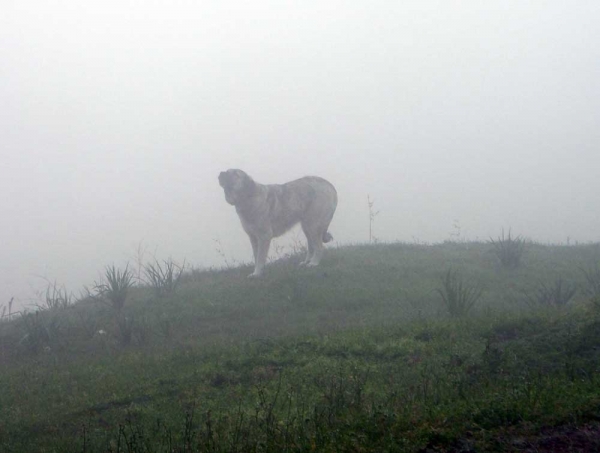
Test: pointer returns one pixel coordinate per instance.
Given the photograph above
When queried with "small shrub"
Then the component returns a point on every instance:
(557, 294)
(116, 286)
(165, 279)
(458, 296)
(509, 250)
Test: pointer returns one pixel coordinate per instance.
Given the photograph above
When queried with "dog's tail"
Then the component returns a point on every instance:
(327, 237)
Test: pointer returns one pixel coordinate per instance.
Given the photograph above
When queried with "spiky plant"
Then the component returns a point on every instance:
(557, 294)
(165, 279)
(116, 285)
(55, 297)
(509, 250)
(458, 296)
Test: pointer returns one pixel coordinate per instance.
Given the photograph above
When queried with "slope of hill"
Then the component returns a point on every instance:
(360, 354)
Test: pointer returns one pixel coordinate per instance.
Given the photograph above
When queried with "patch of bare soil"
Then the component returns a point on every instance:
(558, 439)
(561, 439)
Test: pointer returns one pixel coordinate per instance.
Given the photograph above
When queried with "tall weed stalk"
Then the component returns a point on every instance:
(7, 310)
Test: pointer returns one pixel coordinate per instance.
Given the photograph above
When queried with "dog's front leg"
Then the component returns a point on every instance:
(254, 242)
(262, 252)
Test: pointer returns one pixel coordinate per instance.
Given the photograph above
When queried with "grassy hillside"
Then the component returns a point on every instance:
(359, 355)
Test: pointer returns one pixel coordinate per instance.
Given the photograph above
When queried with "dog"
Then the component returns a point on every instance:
(268, 211)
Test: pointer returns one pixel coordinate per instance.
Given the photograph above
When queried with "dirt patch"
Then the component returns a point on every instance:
(561, 439)
(558, 439)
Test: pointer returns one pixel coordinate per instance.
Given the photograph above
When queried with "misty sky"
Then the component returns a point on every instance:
(117, 116)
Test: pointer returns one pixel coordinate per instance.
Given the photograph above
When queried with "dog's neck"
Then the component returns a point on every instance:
(246, 207)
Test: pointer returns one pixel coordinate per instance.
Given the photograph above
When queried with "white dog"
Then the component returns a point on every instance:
(268, 211)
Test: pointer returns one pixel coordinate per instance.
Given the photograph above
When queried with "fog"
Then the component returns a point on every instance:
(457, 118)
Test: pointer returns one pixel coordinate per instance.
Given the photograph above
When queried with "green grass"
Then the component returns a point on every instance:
(359, 354)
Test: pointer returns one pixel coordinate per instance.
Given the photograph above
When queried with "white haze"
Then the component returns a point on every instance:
(455, 117)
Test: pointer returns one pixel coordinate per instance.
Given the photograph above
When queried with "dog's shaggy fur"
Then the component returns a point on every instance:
(268, 211)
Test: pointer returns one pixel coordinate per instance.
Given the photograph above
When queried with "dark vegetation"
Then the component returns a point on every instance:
(385, 347)
(509, 250)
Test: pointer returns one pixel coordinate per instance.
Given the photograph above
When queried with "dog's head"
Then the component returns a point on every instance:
(238, 186)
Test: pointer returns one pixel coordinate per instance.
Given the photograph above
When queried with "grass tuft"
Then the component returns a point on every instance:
(509, 250)
(557, 294)
(163, 278)
(55, 297)
(116, 286)
(459, 297)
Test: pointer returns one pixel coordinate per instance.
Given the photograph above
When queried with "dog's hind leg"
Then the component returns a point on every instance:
(309, 245)
(314, 240)
(318, 250)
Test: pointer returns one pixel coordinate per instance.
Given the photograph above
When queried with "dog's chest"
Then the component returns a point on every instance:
(253, 220)
(272, 217)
